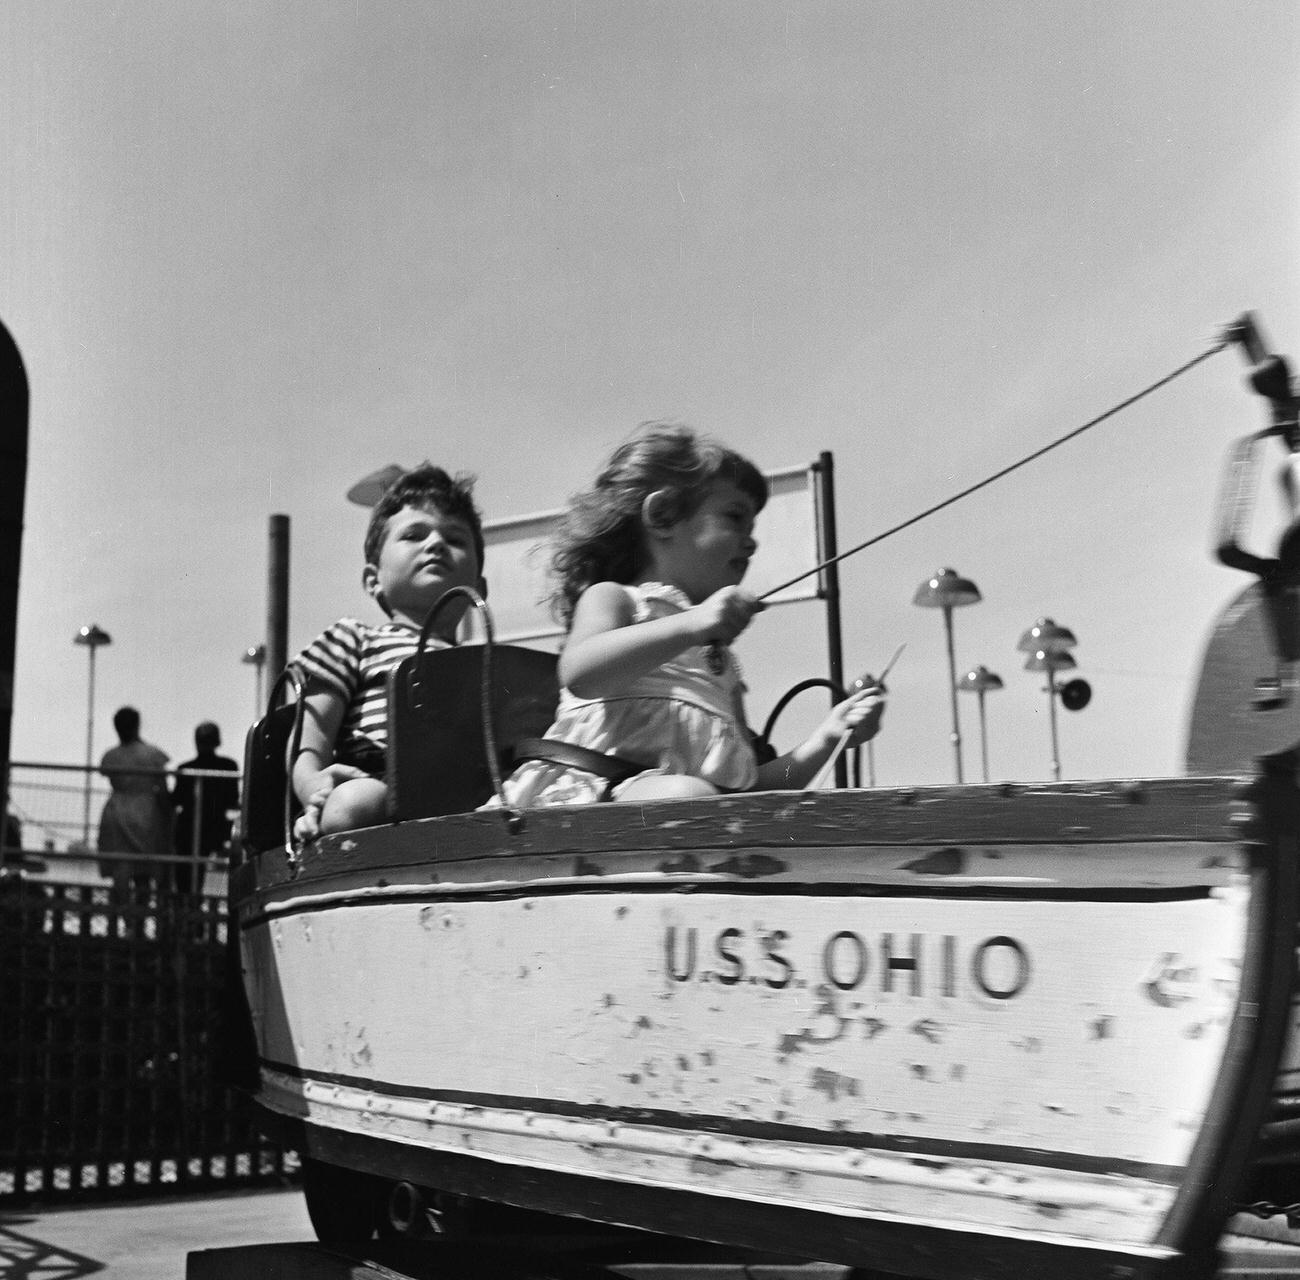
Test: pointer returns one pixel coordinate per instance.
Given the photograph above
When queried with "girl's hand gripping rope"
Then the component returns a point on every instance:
(722, 617)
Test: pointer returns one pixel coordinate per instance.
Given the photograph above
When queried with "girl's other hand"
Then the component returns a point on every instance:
(859, 714)
(725, 614)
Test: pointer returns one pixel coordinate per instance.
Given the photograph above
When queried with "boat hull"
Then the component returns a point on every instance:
(927, 1030)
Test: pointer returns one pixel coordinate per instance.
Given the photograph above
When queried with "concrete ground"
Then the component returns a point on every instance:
(150, 1240)
(143, 1240)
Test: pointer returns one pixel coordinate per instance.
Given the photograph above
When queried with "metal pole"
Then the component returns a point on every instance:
(829, 583)
(984, 737)
(277, 601)
(195, 828)
(255, 657)
(952, 689)
(90, 746)
(1051, 704)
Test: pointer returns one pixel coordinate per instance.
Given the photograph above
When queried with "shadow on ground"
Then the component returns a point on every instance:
(24, 1257)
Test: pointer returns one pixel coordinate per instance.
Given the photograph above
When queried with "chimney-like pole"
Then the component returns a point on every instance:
(277, 597)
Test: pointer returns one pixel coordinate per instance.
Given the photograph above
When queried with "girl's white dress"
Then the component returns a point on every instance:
(680, 718)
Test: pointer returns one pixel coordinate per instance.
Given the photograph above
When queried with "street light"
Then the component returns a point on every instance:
(1045, 635)
(92, 637)
(979, 680)
(255, 656)
(1048, 646)
(948, 591)
(369, 489)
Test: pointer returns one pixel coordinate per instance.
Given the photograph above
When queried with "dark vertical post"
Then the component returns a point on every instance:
(277, 596)
(90, 747)
(1051, 715)
(952, 689)
(984, 736)
(828, 585)
(13, 488)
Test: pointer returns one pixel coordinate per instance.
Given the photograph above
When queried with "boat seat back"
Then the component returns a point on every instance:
(268, 805)
(437, 756)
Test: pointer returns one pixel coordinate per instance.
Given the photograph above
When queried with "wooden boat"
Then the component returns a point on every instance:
(963, 1031)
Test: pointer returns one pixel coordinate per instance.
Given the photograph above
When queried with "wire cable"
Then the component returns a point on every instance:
(1006, 471)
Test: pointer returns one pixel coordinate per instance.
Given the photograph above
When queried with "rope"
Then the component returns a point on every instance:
(1006, 471)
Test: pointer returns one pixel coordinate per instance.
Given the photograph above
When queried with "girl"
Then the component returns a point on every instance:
(649, 563)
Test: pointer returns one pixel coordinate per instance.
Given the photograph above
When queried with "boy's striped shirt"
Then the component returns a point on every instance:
(354, 658)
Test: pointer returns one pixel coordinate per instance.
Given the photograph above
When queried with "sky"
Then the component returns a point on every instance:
(254, 251)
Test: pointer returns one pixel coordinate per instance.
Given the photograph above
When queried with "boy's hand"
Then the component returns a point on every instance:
(318, 787)
(859, 714)
(725, 614)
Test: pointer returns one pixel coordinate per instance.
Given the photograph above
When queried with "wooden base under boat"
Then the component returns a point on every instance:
(612, 1254)
(936, 1031)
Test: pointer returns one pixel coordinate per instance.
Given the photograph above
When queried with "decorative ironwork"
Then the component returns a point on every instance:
(119, 1008)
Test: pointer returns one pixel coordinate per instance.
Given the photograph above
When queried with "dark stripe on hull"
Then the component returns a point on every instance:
(920, 1148)
(973, 893)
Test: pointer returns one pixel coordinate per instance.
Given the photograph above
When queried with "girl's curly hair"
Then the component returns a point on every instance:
(600, 538)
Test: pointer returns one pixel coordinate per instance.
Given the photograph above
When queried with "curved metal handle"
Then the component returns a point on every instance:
(1236, 506)
(514, 819)
(290, 678)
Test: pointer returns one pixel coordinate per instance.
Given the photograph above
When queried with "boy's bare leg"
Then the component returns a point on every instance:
(358, 802)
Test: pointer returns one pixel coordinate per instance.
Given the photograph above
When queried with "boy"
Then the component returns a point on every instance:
(425, 537)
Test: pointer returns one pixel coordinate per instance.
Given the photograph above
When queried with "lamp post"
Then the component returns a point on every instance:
(369, 489)
(979, 680)
(947, 590)
(1048, 646)
(92, 637)
(255, 656)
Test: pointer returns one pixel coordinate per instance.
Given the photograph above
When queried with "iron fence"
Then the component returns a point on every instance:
(120, 1010)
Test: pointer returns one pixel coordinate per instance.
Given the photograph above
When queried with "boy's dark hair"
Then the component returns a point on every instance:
(425, 486)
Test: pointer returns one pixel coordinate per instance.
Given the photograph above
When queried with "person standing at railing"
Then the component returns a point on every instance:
(11, 844)
(210, 800)
(137, 816)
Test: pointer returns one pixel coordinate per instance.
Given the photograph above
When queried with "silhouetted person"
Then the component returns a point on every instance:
(212, 799)
(12, 843)
(137, 817)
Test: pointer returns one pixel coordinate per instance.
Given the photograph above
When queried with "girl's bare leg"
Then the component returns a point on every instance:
(659, 786)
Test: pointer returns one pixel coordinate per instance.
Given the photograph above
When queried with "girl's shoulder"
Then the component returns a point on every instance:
(618, 603)
(613, 600)
(660, 593)
(651, 600)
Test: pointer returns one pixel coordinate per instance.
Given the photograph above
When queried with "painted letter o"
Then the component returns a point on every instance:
(977, 967)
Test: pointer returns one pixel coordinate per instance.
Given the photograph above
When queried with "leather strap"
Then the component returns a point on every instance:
(613, 769)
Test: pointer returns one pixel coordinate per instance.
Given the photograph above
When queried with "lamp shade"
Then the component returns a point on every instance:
(369, 489)
(947, 589)
(979, 680)
(1047, 637)
(93, 636)
(1044, 660)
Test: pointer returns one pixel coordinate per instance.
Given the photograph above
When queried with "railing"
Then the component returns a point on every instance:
(121, 1006)
(55, 808)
